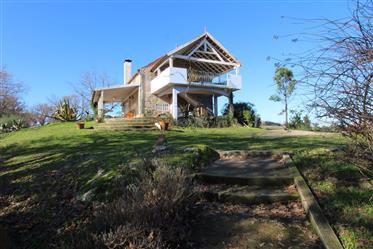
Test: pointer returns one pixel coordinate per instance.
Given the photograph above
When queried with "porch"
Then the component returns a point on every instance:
(124, 95)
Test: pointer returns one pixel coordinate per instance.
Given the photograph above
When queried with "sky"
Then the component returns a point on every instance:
(48, 45)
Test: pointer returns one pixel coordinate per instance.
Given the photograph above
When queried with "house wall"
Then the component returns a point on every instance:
(153, 104)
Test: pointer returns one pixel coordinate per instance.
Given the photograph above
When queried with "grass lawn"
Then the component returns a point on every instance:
(45, 172)
(345, 196)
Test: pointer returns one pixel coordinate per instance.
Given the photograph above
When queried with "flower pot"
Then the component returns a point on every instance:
(80, 126)
(164, 125)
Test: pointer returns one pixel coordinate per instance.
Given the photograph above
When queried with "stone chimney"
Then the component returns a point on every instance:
(127, 71)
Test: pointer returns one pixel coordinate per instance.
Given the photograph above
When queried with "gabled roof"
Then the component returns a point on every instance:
(204, 51)
(213, 50)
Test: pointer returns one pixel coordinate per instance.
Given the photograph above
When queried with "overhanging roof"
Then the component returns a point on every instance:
(114, 93)
(205, 52)
(189, 51)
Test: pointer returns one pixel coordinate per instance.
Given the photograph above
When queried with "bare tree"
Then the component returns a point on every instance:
(10, 90)
(41, 113)
(89, 81)
(339, 73)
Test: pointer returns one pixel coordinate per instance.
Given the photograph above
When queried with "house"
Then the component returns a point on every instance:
(189, 78)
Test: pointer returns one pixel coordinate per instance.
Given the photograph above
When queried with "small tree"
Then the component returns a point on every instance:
(285, 84)
(41, 113)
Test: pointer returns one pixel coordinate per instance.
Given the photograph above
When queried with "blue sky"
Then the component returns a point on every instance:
(49, 44)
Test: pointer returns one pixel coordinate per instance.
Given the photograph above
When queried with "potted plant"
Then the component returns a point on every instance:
(164, 121)
(80, 125)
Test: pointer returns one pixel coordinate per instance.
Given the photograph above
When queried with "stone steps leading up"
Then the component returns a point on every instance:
(130, 120)
(124, 124)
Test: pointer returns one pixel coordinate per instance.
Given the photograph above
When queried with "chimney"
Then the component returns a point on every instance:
(127, 71)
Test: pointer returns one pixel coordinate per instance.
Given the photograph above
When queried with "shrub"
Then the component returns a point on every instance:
(196, 122)
(154, 213)
(244, 113)
(12, 123)
(297, 122)
(65, 111)
(208, 121)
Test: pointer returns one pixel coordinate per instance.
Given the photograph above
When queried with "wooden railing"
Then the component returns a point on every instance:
(200, 76)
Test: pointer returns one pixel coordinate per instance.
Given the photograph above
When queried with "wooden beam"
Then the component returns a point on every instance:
(213, 49)
(205, 60)
(197, 47)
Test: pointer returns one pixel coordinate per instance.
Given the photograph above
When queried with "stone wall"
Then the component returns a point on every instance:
(152, 101)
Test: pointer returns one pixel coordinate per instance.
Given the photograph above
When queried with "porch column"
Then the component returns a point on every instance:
(100, 105)
(215, 105)
(141, 95)
(231, 102)
(174, 103)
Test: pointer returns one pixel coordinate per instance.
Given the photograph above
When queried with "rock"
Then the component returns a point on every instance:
(161, 140)
(190, 149)
(160, 148)
(160, 144)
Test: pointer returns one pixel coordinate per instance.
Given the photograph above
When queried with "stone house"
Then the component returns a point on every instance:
(191, 77)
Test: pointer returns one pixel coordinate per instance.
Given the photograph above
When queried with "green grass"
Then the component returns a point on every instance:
(45, 172)
(344, 194)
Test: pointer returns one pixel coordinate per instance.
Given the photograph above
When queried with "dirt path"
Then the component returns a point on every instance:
(245, 207)
(278, 131)
(227, 226)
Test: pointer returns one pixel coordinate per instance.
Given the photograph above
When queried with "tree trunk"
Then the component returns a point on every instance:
(286, 114)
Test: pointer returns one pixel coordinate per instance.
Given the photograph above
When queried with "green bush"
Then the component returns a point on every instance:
(244, 113)
(297, 122)
(12, 123)
(208, 121)
(195, 122)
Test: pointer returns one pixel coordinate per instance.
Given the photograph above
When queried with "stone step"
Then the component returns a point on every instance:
(127, 124)
(130, 120)
(258, 181)
(126, 128)
(251, 197)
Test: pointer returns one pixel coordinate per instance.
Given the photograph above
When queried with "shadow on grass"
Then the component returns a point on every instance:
(41, 179)
(339, 187)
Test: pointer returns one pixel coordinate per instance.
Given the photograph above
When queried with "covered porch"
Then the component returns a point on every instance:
(197, 96)
(126, 95)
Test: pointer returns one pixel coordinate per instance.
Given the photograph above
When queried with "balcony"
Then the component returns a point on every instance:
(180, 76)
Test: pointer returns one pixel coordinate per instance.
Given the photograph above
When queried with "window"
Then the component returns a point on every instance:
(161, 107)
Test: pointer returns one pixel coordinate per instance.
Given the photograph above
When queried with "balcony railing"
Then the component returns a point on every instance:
(175, 75)
(200, 76)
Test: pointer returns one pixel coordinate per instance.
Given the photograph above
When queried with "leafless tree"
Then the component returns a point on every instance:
(89, 81)
(10, 91)
(338, 73)
(41, 113)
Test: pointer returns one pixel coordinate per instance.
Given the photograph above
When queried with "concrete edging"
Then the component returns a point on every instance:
(313, 209)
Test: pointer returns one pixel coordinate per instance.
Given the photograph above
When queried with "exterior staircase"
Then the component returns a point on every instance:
(128, 124)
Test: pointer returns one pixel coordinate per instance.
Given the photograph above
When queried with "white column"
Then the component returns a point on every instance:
(215, 105)
(237, 70)
(171, 62)
(141, 95)
(100, 105)
(174, 103)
